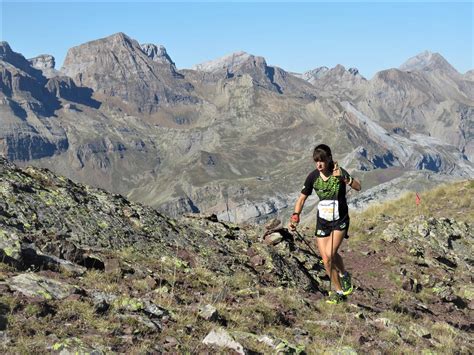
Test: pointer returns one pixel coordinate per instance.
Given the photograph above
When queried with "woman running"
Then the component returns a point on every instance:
(332, 223)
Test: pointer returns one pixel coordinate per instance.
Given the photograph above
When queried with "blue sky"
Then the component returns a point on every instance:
(371, 36)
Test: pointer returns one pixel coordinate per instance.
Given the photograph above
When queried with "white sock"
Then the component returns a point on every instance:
(340, 292)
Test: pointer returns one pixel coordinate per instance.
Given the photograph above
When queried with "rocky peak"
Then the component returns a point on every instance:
(5, 50)
(353, 71)
(315, 73)
(469, 75)
(226, 63)
(340, 70)
(43, 61)
(18, 61)
(241, 63)
(119, 38)
(117, 66)
(428, 61)
(337, 73)
(81, 58)
(157, 53)
(24, 86)
(272, 78)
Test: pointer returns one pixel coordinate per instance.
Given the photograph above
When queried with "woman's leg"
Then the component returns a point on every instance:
(329, 258)
(338, 263)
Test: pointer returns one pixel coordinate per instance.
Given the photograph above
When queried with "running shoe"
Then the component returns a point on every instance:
(335, 298)
(346, 284)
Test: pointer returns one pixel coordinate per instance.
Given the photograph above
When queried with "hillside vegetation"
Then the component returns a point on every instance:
(86, 271)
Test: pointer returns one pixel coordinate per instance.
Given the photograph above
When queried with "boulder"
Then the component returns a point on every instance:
(391, 233)
(222, 339)
(273, 239)
(209, 313)
(33, 285)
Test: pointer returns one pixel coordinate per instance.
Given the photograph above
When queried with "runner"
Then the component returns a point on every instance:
(332, 222)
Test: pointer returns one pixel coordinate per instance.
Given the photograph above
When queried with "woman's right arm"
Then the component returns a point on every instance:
(300, 203)
(295, 217)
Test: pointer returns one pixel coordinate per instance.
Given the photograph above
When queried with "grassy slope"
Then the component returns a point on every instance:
(374, 317)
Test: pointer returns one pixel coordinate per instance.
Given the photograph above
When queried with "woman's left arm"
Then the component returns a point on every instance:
(355, 184)
(349, 180)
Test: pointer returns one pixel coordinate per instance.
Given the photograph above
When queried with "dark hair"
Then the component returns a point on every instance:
(322, 152)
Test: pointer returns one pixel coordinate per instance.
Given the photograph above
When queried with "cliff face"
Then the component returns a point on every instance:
(84, 270)
(25, 102)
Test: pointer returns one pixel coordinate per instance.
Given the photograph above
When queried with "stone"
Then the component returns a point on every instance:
(31, 256)
(265, 339)
(273, 239)
(112, 265)
(150, 325)
(220, 338)
(73, 345)
(470, 305)
(273, 224)
(10, 247)
(257, 260)
(155, 310)
(209, 313)
(32, 285)
(391, 233)
(170, 342)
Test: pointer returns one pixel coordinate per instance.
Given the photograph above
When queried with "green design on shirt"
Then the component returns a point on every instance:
(329, 189)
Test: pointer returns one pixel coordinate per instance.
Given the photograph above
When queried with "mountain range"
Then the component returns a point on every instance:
(232, 136)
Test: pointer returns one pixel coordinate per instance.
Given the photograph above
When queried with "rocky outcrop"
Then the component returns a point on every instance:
(46, 64)
(93, 221)
(63, 87)
(17, 60)
(44, 61)
(157, 54)
(23, 86)
(347, 83)
(25, 105)
(314, 74)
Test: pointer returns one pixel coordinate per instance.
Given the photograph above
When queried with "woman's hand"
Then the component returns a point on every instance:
(294, 221)
(295, 217)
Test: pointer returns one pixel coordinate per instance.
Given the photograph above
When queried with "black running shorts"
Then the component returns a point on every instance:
(324, 228)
